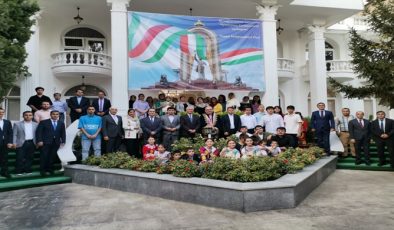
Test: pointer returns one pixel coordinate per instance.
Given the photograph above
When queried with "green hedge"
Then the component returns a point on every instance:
(240, 170)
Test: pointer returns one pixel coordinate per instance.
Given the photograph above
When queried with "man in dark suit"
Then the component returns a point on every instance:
(151, 126)
(190, 123)
(360, 136)
(5, 143)
(101, 104)
(50, 136)
(171, 124)
(210, 120)
(322, 123)
(112, 130)
(78, 105)
(230, 123)
(383, 134)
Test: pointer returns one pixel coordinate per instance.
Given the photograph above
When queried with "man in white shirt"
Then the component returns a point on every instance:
(293, 125)
(271, 121)
(248, 120)
(259, 115)
(24, 140)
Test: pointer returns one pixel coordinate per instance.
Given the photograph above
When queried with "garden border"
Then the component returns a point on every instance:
(285, 192)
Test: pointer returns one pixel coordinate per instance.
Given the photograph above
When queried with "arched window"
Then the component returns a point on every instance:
(12, 103)
(84, 38)
(329, 53)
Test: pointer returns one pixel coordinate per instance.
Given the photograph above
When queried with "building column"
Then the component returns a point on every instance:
(267, 14)
(29, 82)
(119, 97)
(317, 66)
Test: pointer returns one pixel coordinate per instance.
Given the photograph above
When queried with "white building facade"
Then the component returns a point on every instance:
(62, 54)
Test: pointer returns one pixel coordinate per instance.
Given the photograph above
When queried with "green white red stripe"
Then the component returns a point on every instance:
(191, 43)
(241, 56)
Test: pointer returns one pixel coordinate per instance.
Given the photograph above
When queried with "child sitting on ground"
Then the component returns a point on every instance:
(208, 151)
(274, 149)
(161, 155)
(230, 151)
(148, 151)
(251, 150)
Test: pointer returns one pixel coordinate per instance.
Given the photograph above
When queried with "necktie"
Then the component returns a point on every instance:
(381, 126)
(151, 119)
(321, 113)
(361, 123)
(54, 125)
(191, 118)
(101, 105)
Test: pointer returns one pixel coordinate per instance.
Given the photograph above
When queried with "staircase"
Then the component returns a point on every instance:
(30, 180)
(349, 162)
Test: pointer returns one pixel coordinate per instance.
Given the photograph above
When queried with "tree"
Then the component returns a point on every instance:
(373, 59)
(15, 23)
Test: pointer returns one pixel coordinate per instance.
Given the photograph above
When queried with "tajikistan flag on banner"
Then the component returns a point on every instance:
(150, 43)
(194, 44)
(240, 56)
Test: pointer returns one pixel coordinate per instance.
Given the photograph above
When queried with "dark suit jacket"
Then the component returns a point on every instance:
(357, 132)
(388, 129)
(6, 133)
(323, 124)
(225, 123)
(106, 106)
(45, 132)
(147, 126)
(186, 124)
(203, 123)
(73, 104)
(110, 128)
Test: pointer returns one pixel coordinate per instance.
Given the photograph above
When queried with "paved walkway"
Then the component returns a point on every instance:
(346, 200)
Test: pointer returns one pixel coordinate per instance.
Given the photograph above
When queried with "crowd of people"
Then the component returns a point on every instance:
(152, 125)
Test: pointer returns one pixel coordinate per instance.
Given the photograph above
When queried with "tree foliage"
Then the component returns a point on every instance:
(15, 23)
(373, 58)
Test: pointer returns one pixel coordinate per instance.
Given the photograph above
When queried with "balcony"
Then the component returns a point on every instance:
(285, 69)
(340, 70)
(77, 63)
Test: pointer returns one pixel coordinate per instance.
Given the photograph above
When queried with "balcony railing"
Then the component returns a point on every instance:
(339, 66)
(285, 68)
(80, 61)
(340, 70)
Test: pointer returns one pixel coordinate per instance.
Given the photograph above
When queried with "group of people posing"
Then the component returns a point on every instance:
(151, 127)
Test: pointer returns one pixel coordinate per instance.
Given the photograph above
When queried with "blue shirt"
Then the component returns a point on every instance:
(90, 123)
(60, 106)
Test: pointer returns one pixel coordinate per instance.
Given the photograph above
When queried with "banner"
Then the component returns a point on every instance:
(194, 53)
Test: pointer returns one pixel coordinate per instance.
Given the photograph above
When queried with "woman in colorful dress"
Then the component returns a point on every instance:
(148, 151)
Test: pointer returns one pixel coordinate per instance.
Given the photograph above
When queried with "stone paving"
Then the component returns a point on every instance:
(346, 200)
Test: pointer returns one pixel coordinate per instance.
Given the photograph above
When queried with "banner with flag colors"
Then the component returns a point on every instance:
(194, 53)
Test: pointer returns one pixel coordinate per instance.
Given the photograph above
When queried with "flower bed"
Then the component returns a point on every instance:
(241, 170)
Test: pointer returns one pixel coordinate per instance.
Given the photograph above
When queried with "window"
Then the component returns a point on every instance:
(12, 104)
(84, 38)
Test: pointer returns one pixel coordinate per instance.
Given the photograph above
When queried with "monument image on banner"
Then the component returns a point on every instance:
(194, 53)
